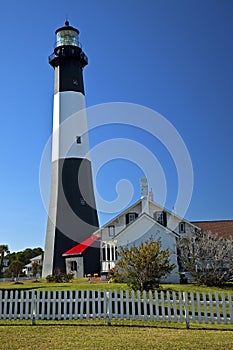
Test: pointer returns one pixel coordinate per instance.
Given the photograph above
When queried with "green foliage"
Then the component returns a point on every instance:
(115, 276)
(15, 268)
(36, 269)
(24, 256)
(3, 251)
(60, 277)
(143, 266)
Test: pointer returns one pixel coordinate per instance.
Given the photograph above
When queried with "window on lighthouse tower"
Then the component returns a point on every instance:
(78, 139)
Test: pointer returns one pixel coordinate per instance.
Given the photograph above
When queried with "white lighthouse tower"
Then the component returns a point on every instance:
(72, 212)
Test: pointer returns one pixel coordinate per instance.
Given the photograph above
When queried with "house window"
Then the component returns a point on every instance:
(78, 139)
(73, 265)
(182, 227)
(111, 231)
(130, 217)
(161, 217)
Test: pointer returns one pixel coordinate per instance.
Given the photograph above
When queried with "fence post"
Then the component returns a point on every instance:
(33, 309)
(186, 310)
(107, 307)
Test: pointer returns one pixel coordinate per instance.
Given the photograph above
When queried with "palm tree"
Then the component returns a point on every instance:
(3, 250)
(36, 269)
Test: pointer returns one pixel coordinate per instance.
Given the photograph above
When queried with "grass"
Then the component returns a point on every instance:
(68, 335)
(76, 284)
(83, 284)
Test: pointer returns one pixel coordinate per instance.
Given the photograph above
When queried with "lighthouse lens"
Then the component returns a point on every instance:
(67, 37)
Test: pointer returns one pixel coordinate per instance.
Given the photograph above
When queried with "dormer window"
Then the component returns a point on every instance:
(161, 217)
(130, 217)
(182, 227)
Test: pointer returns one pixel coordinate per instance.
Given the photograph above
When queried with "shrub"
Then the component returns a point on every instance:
(207, 257)
(115, 276)
(143, 266)
(50, 279)
(67, 277)
(60, 277)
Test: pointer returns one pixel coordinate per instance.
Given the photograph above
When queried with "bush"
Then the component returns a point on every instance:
(143, 266)
(67, 277)
(115, 276)
(60, 277)
(50, 278)
(207, 257)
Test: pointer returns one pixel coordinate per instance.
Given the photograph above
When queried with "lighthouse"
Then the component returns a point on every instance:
(72, 216)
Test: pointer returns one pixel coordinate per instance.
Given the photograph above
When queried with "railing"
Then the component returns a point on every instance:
(149, 306)
(83, 56)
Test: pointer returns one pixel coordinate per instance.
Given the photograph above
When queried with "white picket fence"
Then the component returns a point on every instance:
(149, 306)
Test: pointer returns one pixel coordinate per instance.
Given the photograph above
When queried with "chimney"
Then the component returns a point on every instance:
(151, 196)
(144, 187)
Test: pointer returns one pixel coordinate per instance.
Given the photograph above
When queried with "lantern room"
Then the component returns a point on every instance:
(67, 36)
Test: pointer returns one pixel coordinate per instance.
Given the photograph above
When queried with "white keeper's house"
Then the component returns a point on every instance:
(144, 219)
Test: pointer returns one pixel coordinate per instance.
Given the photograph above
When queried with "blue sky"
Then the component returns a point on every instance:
(175, 57)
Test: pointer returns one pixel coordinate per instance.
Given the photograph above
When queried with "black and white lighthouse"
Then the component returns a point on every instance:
(72, 211)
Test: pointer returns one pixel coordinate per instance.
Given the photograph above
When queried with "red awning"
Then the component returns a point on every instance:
(81, 247)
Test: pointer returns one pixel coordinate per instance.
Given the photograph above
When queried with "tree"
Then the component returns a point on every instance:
(15, 268)
(36, 269)
(143, 266)
(207, 257)
(26, 255)
(3, 250)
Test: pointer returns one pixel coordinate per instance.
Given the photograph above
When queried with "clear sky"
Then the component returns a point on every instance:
(173, 56)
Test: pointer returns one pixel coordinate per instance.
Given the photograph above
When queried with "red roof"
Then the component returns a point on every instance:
(223, 228)
(81, 247)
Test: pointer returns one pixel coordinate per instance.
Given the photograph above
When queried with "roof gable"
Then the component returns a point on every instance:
(172, 213)
(149, 222)
(150, 203)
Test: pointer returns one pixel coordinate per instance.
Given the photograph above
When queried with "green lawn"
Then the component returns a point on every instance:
(83, 284)
(76, 284)
(20, 335)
